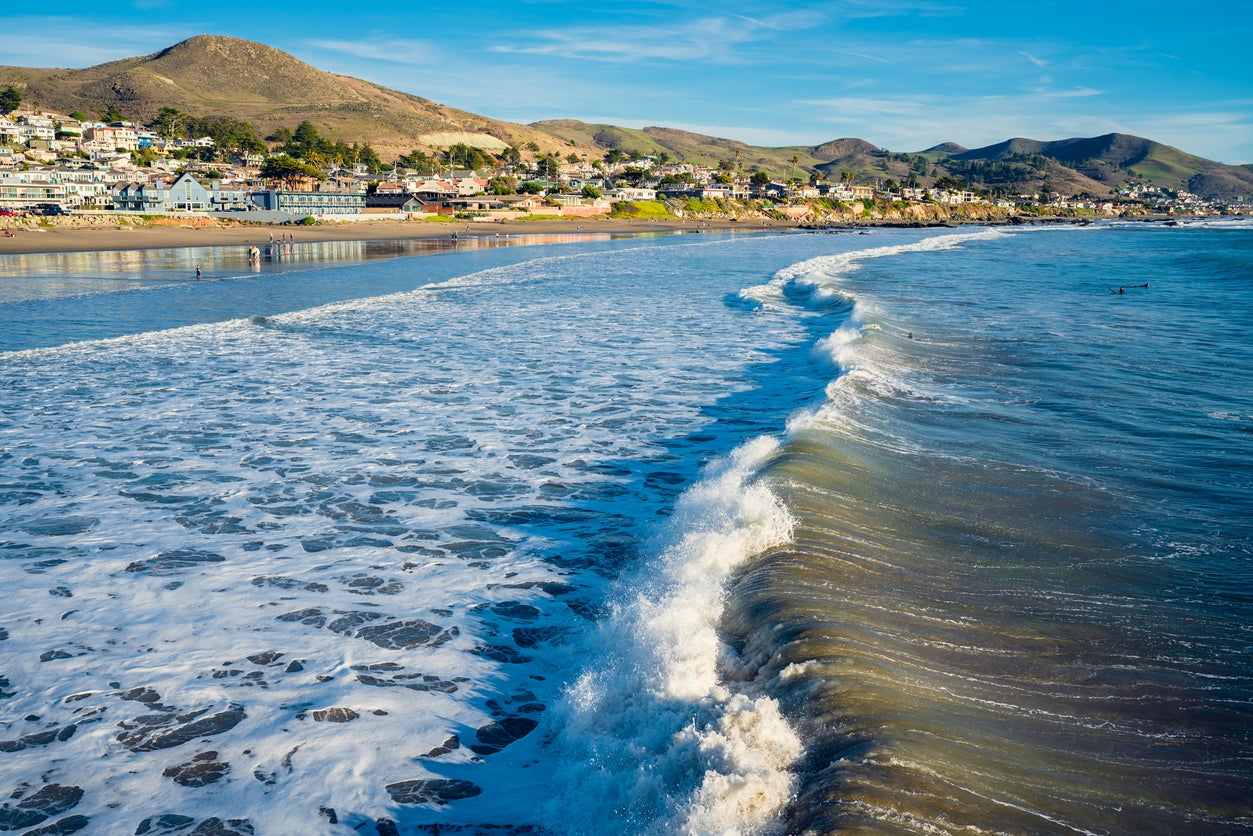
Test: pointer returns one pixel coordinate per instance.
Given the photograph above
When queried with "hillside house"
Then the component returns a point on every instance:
(111, 138)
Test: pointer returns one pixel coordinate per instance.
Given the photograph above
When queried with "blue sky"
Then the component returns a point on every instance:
(903, 74)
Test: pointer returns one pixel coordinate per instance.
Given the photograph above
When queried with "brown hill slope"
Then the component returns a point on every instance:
(1114, 159)
(213, 75)
(220, 76)
(687, 146)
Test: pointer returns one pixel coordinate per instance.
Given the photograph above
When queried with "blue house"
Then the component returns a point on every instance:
(310, 203)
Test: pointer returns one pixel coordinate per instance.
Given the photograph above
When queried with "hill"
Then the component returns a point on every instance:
(686, 146)
(220, 76)
(944, 149)
(1112, 160)
(209, 76)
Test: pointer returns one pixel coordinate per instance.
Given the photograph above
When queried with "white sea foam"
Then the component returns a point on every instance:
(651, 734)
(190, 512)
(857, 370)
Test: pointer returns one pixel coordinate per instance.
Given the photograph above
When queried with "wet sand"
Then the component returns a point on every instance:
(69, 238)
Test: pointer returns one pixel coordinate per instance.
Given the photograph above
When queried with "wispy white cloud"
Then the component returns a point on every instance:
(960, 44)
(1039, 62)
(39, 41)
(898, 106)
(899, 8)
(702, 39)
(1043, 94)
(395, 50)
(864, 56)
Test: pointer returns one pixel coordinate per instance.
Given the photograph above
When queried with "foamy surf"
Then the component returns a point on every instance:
(345, 573)
(653, 734)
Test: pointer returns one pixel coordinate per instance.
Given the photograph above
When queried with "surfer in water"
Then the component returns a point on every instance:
(197, 272)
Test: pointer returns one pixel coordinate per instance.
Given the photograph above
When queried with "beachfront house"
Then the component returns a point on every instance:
(185, 194)
(628, 194)
(391, 201)
(22, 193)
(307, 204)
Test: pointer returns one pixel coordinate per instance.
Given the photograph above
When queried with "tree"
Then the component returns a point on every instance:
(78, 116)
(368, 157)
(634, 175)
(143, 157)
(760, 178)
(343, 153)
(467, 156)
(502, 185)
(289, 170)
(680, 179)
(168, 122)
(10, 99)
(417, 160)
(590, 191)
(306, 140)
(227, 132)
(547, 167)
(280, 136)
(614, 156)
(112, 114)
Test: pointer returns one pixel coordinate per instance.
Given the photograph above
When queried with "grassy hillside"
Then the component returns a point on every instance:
(218, 76)
(209, 75)
(686, 146)
(1111, 160)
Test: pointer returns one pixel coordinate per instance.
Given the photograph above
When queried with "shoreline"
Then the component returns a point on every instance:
(109, 238)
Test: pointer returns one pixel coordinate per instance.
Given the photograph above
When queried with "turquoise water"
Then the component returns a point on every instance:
(915, 531)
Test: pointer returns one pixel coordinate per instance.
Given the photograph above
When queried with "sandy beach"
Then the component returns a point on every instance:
(68, 237)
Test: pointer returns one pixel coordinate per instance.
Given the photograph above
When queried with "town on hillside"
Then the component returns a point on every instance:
(56, 164)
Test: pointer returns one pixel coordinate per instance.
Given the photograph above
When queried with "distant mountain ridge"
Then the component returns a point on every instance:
(1115, 159)
(221, 76)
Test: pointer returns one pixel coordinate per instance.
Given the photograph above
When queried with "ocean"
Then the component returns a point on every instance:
(905, 531)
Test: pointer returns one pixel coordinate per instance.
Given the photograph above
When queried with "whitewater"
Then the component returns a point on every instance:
(605, 536)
